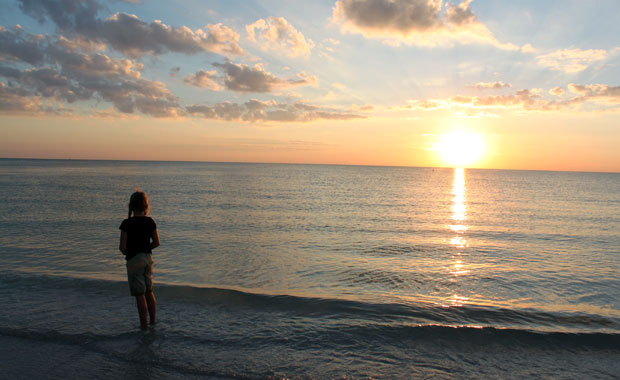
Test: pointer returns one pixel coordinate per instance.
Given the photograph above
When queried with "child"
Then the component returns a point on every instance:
(138, 238)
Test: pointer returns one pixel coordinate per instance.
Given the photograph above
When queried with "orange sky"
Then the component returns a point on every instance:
(259, 81)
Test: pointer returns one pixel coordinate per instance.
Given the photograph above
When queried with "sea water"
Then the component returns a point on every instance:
(270, 271)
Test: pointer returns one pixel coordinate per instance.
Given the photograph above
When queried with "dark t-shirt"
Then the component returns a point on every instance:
(139, 231)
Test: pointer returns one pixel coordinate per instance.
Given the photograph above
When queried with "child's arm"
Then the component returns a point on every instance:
(123, 244)
(155, 238)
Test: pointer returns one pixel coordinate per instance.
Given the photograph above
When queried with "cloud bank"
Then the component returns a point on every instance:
(269, 111)
(48, 74)
(592, 97)
(62, 73)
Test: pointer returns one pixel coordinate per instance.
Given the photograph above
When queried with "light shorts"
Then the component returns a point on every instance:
(140, 274)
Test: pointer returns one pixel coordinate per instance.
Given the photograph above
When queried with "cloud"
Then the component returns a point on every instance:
(557, 91)
(571, 60)
(242, 78)
(127, 33)
(598, 93)
(203, 79)
(492, 85)
(15, 45)
(269, 111)
(134, 37)
(15, 100)
(89, 65)
(277, 34)
(174, 71)
(522, 98)
(419, 22)
(528, 48)
(329, 44)
(65, 74)
(589, 98)
(363, 108)
(460, 14)
(388, 17)
(76, 15)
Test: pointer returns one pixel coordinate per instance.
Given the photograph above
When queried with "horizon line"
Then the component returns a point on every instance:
(301, 163)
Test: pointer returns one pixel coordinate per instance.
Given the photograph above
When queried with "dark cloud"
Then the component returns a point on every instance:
(243, 78)
(68, 15)
(127, 33)
(46, 83)
(420, 22)
(134, 37)
(271, 111)
(174, 71)
(402, 16)
(16, 100)
(65, 74)
(15, 45)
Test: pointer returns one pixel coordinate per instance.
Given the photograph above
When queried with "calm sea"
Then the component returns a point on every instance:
(271, 271)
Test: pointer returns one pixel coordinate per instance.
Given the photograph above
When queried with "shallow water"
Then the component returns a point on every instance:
(310, 271)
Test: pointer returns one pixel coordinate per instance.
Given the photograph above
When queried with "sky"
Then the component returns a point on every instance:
(534, 84)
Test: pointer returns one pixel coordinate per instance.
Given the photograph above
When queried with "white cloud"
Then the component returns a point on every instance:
(557, 91)
(276, 33)
(528, 48)
(571, 60)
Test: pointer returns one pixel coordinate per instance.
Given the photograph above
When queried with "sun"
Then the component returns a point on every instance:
(461, 148)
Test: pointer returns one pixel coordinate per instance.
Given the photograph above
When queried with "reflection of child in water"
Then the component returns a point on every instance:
(138, 238)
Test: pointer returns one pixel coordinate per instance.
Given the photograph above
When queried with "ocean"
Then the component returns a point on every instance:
(276, 271)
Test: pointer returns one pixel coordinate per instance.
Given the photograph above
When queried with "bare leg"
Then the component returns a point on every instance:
(152, 304)
(142, 310)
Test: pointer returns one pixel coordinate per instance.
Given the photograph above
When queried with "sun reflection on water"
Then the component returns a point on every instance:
(458, 219)
(459, 211)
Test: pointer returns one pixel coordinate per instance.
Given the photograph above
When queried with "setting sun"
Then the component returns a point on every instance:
(461, 148)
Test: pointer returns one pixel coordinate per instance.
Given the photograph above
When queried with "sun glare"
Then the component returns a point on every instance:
(461, 148)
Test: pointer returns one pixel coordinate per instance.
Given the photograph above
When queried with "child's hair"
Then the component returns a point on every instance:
(138, 202)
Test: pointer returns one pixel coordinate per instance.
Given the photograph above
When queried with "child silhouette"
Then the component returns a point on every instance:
(138, 239)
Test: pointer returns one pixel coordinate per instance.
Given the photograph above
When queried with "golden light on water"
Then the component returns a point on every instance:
(461, 148)
(459, 212)
(458, 226)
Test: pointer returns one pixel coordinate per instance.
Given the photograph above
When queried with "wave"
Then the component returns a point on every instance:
(411, 314)
(210, 332)
(423, 314)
